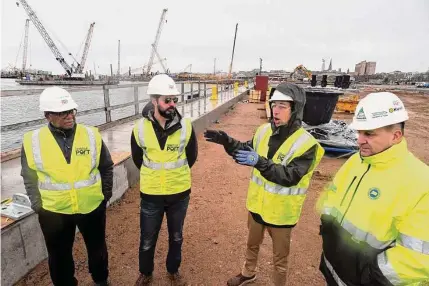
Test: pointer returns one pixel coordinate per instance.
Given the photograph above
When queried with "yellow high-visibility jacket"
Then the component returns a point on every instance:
(66, 188)
(375, 220)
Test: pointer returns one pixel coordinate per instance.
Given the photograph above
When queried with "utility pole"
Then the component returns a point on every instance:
(111, 70)
(260, 66)
(119, 57)
(24, 55)
(214, 67)
(95, 71)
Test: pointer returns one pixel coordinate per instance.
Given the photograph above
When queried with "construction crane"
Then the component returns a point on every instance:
(81, 65)
(24, 54)
(233, 49)
(142, 68)
(46, 36)
(155, 43)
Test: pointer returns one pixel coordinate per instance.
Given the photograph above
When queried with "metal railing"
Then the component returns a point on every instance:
(185, 98)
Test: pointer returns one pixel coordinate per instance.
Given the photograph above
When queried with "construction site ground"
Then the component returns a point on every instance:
(215, 231)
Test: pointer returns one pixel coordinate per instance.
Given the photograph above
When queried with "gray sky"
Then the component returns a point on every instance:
(284, 33)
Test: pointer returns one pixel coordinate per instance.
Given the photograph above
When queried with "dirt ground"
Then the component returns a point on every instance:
(215, 229)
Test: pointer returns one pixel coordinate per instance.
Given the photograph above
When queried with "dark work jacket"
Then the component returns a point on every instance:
(65, 140)
(162, 134)
(291, 174)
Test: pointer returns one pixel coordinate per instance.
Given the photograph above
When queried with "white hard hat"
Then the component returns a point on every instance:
(56, 99)
(378, 110)
(162, 84)
(278, 96)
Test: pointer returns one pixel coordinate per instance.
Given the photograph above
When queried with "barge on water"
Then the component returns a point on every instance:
(68, 82)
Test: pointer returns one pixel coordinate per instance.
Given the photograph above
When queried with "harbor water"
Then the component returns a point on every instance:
(22, 108)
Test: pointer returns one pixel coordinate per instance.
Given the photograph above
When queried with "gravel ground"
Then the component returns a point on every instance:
(215, 229)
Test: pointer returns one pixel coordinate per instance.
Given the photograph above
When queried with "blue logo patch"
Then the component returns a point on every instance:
(374, 193)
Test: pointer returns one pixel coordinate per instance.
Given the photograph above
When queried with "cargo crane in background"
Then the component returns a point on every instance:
(131, 71)
(81, 65)
(233, 49)
(156, 42)
(24, 54)
(46, 37)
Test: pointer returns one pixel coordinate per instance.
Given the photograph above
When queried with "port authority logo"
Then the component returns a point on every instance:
(361, 114)
(281, 157)
(64, 101)
(393, 109)
(82, 151)
(172, 147)
(374, 193)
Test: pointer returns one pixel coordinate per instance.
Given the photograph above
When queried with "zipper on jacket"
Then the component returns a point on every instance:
(347, 191)
(354, 193)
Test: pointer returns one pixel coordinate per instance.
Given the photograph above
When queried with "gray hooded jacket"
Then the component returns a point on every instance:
(291, 174)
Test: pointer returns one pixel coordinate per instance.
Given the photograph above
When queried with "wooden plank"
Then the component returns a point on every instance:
(119, 157)
(5, 221)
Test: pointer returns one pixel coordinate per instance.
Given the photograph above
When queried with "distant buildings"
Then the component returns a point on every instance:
(365, 68)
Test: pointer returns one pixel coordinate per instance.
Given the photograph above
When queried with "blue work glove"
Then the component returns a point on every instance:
(247, 157)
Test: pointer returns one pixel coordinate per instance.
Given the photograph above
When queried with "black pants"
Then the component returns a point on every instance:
(59, 232)
(151, 216)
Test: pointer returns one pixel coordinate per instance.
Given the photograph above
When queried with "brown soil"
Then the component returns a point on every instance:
(215, 229)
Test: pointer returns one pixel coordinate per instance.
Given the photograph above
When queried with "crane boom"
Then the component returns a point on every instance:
(233, 49)
(155, 43)
(160, 61)
(46, 36)
(24, 54)
(81, 65)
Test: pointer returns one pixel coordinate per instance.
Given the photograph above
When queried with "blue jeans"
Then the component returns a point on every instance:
(151, 216)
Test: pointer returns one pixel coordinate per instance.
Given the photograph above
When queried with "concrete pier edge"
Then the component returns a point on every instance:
(23, 246)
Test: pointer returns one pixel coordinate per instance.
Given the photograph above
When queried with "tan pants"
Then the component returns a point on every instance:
(281, 246)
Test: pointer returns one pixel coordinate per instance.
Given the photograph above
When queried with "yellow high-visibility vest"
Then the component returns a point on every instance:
(163, 172)
(383, 201)
(73, 188)
(277, 204)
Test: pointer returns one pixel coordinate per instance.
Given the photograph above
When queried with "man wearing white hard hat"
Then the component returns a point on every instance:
(164, 148)
(283, 156)
(68, 175)
(375, 213)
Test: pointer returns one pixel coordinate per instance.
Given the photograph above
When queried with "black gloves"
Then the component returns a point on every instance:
(216, 136)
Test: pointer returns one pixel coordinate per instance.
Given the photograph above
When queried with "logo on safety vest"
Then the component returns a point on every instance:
(374, 193)
(82, 151)
(361, 114)
(172, 148)
(281, 157)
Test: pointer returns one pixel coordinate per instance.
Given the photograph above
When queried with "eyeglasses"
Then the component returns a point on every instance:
(64, 114)
(171, 99)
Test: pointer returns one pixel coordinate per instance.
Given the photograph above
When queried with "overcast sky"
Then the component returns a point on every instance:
(285, 34)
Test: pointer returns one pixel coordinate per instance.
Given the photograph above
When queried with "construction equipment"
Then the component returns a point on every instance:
(81, 65)
(46, 37)
(347, 104)
(301, 69)
(142, 68)
(233, 49)
(24, 54)
(156, 41)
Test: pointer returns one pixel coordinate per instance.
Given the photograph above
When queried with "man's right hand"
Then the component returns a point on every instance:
(216, 136)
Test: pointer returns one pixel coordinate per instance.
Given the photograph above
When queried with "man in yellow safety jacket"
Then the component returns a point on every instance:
(164, 148)
(68, 176)
(375, 213)
(283, 156)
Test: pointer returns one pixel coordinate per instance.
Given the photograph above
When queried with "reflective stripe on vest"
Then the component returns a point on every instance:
(277, 189)
(387, 269)
(413, 243)
(334, 274)
(168, 165)
(357, 234)
(47, 184)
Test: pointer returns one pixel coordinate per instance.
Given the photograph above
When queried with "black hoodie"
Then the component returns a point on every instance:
(162, 134)
(291, 174)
